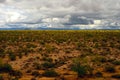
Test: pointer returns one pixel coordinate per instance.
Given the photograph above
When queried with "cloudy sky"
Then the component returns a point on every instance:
(69, 14)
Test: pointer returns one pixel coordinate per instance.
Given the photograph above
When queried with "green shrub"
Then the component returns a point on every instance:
(2, 53)
(47, 59)
(5, 68)
(96, 45)
(35, 73)
(49, 48)
(98, 74)
(99, 59)
(1, 50)
(116, 62)
(61, 62)
(20, 55)
(16, 73)
(29, 45)
(89, 70)
(50, 73)
(12, 57)
(48, 65)
(111, 60)
(37, 66)
(81, 70)
(28, 71)
(67, 51)
(109, 68)
(79, 45)
(42, 42)
(1, 77)
(116, 76)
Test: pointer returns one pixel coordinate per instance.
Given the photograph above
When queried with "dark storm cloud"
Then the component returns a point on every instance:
(75, 20)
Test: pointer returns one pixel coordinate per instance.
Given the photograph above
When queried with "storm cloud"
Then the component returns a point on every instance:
(80, 14)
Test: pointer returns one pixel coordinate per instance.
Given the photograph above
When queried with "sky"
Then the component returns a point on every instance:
(65, 14)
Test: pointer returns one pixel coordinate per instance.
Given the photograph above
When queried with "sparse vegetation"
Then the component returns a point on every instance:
(52, 53)
(16, 73)
(1, 77)
(48, 65)
(116, 62)
(5, 68)
(77, 67)
(37, 66)
(12, 57)
(116, 76)
(98, 74)
(109, 68)
(35, 73)
(50, 73)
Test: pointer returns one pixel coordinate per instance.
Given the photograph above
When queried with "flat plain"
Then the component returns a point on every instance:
(60, 55)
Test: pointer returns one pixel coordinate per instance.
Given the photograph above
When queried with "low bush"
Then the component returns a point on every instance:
(98, 74)
(50, 73)
(49, 48)
(1, 50)
(1, 77)
(28, 71)
(37, 66)
(5, 68)
(16, 73)
(29, 45)
(12, 57)
(35, 73)
(99, 59)
(116, 62)
(20, 55)
(47, 59)
(109, 68)
(48, 65)
(81, 70)
(2, 54)
(116, 76)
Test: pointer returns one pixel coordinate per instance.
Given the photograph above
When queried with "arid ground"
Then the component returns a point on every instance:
(60, 55)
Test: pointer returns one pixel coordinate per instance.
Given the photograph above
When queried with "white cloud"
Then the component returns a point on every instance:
(56, 13)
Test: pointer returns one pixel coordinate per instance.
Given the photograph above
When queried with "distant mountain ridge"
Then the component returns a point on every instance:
(54, 29)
